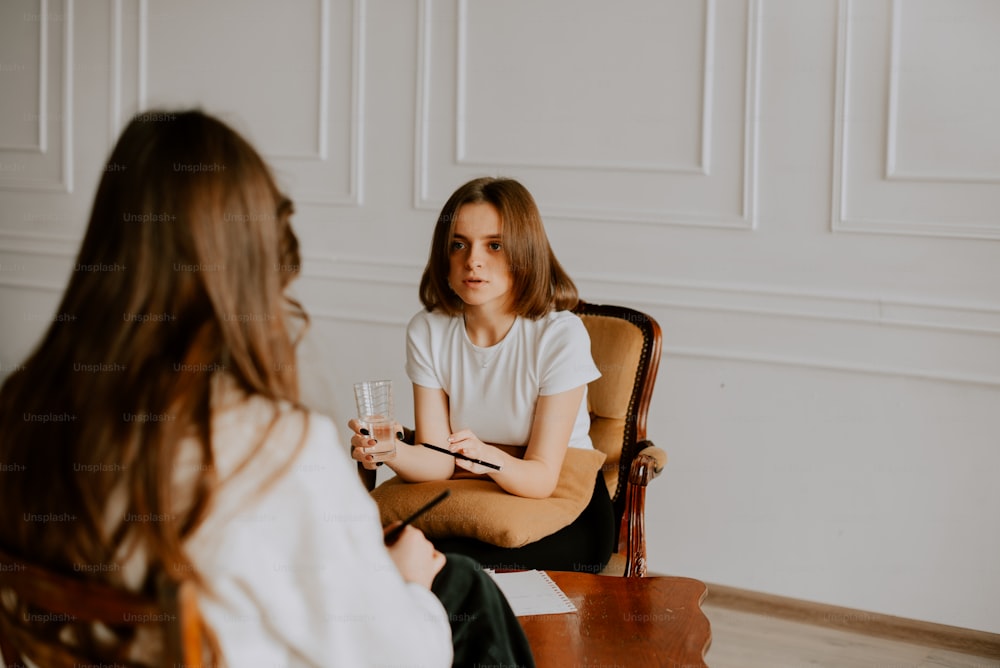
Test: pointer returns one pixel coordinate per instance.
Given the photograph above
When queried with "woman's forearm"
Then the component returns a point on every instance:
(531, 478)
(417, 464)
(537, 475)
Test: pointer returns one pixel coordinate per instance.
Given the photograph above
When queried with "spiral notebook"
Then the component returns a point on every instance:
(532, 593)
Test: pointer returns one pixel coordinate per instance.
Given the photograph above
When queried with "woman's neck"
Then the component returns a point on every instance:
(486, 329)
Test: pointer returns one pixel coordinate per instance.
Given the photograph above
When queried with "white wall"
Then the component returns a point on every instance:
(806, 195)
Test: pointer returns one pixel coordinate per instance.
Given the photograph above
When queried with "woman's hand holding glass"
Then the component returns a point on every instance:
(375, 415)
(364, 447)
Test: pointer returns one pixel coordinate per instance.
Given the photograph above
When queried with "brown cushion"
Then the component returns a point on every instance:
(481, 509)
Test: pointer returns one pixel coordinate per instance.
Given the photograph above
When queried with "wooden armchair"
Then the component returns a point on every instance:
(625, 345)
(39, 609)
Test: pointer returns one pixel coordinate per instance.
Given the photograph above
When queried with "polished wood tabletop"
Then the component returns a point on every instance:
(650, 621)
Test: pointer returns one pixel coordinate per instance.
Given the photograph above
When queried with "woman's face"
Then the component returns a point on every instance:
(480, 272)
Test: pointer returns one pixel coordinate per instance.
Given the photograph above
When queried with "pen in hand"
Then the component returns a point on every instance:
(393, 534)
(459, 455)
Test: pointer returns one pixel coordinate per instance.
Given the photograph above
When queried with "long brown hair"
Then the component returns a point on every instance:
(540, 284)
(181, 273)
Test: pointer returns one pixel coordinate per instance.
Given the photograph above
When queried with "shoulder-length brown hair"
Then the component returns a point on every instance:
(540, 284)
(181, 274)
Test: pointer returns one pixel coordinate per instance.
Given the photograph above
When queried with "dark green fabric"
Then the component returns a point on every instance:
(485, 631)
(585, 545)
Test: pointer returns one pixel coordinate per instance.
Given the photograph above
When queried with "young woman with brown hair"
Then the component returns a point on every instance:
(500, 370)
(159, 420)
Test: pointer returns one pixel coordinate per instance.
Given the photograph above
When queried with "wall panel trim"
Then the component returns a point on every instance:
(827, 365)
(702, 166)
(64, 183)
(321, 153)
(841, 219)
(41, 139)
(903, 312)
(38, 243)
(900, 313)
(893, 172)
(745, 219)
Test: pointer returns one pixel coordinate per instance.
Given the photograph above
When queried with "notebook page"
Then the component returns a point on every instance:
(532, 593)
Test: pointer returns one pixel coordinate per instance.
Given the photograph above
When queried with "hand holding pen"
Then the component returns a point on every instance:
(415, 556)
(393, 532)
(463, 457)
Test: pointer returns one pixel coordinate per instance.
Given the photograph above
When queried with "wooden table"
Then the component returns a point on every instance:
(651, 621)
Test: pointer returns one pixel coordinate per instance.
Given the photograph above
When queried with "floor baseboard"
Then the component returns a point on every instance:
(970, 641)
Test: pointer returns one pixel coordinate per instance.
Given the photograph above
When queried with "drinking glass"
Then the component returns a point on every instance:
(374, 400)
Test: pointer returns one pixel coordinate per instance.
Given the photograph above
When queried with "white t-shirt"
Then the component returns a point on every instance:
(299, 573)
(493, 391)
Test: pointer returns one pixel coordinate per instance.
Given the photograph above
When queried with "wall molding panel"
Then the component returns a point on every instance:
(723, 297)
(874, 191)
(36, 243)
(353, 317)
(693, 313)
(41, 135)
(699, 166)
(695, 352)
(328, 171)
(47, 164)
(894, 170)
(804, 304)
(39, 286)
(662, 191)
(973, 328)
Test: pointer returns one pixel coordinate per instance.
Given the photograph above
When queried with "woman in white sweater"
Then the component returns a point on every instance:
(185, 451)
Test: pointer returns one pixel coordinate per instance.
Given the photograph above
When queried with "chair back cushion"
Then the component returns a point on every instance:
(616, 345)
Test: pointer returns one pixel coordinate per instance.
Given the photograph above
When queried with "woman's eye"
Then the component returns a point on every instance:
(495, 245)
(457, 245)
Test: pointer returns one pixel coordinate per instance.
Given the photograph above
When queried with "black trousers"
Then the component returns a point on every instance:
(585, 545)
(484, 630)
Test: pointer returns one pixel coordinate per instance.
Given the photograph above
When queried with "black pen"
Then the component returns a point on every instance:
(392, 535)
(459, 455)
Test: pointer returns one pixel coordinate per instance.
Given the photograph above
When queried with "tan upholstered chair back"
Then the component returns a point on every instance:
(625, 345)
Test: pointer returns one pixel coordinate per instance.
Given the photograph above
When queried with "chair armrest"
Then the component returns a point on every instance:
(648, 464)
(632, 536)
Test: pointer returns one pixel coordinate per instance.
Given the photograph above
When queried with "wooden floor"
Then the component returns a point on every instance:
(743, 639)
